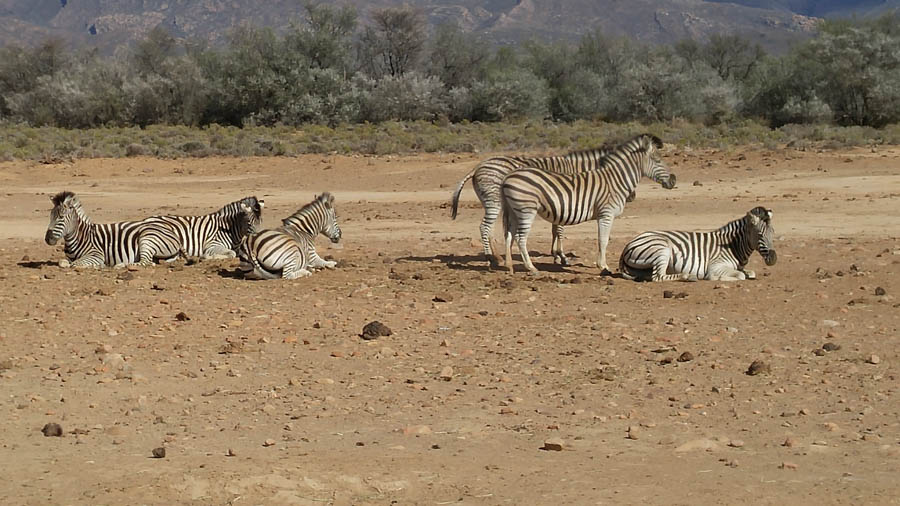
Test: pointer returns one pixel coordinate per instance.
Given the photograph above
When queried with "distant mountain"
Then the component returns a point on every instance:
(108, 24)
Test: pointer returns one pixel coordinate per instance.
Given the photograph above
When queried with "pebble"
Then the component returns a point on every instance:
(159, 453)
(873, 359)
(788, 465)
(686, 357)
(554, 444)
(230, 453)
(447, 373)
(52, 430)
(880, 291)
(633, 433)
(829, 346)
(789, 442)
(819, 352)
(269, 442)
(759, 367)
(736, 443)
(830, 323)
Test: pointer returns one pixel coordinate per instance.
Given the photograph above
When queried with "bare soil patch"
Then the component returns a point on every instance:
(568, 388)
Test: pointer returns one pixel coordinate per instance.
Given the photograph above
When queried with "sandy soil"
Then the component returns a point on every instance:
(264, 393)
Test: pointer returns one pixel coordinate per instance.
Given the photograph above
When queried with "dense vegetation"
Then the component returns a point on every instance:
(328, 70)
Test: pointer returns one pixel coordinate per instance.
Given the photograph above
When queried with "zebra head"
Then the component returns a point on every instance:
(655, 168)
(330, 226)
(760, 220)
(64, 216)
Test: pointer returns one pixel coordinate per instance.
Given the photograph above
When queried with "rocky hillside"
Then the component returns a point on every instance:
(110, 23)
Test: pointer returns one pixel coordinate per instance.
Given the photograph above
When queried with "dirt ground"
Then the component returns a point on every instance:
(264, 392)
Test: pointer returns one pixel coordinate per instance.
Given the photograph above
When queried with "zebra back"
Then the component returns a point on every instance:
(220, 230)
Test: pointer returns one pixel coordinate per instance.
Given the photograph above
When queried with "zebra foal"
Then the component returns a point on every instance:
(89, 244)
(488, 175)
(598, 194)
(719, 255)
(289, 252)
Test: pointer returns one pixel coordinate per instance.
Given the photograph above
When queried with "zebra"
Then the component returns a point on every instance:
(212, 236)
(108, 244)
(562, 199)
(289, 252)
(720, 255)
(488, 175)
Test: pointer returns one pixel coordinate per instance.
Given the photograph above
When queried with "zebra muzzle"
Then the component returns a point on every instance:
(51, 238)
(771, 257)
(670, 183)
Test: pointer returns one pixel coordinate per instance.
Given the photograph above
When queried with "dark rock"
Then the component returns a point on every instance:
(668, 294)
(759, 367)
(829, 346)
(686, 357)
(182, 317)
(52, 430)
(159, 453)
(880, 291)
(374, 330)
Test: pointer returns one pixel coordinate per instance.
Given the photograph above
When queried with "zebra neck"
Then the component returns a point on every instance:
(305, 226)
(78, 239)
(736, 237)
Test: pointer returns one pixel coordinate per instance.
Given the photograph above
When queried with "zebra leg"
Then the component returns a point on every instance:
(604, 226)
(316, 262)
(509, 262)
(487, 225)
(523, 228)
(218, 252)
(556, 248)
(88, 262)
(749, 274)
(725, 273)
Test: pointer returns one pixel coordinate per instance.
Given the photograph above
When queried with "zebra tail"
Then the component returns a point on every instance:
(456, 193)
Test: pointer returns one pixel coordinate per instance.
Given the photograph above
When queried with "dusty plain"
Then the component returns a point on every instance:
(566, 388)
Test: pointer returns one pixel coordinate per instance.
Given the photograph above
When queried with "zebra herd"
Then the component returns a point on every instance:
(593, 184)
(233, 231)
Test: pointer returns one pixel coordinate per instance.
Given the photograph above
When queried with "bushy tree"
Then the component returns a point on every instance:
(510, 95)
(393, 43)
(458, 59)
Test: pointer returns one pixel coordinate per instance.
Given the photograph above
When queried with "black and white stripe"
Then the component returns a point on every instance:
(106, 244)
(720, 255)
(488, 175)
(289, 252)
(214, 235)
(598, 194)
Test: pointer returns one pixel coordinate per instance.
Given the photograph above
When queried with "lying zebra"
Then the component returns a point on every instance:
(720, 255)
(289, 252)
(211, 236)
(96, 245)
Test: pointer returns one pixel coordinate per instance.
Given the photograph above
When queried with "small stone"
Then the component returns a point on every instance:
(374, 330)
(686, 357)
(873, 359)
(554, 444)
(52, 430)
(230, 453)
(789, 442)
(159, 453)
(182, 317)
(819, 352)
(634, 433)
(668, 294)
(880, 291)
(829, 346)
(830, 323)
(447, 373)
(788, 465)
(697, 183)
(759, 367)
(444, 297)
(736, 443)
(830, 426)
(269, 442)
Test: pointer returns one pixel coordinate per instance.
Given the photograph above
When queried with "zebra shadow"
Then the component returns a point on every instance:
(477, 263)
(40, 264)
(230, 273)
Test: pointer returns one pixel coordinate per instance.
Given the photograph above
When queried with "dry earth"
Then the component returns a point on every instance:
(266, 394)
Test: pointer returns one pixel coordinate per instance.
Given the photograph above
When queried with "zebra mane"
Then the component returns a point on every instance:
(61, 197)
(762, 213)
(235, 207)
(326, 199)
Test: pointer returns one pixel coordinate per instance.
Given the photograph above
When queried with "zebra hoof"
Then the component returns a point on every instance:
(750, 274)
(691, 278)
(65, 264)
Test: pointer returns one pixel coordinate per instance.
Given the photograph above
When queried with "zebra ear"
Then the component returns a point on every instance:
(262, 203)
(326, 198)
(656, 141)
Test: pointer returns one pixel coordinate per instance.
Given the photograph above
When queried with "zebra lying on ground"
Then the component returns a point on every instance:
(289, 251)
(718, 255)
(211, 236)
(488, 175)
(598, 194)
(103, 244)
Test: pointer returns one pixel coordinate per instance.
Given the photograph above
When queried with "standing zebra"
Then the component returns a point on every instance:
(562, 199)
(216, 235)
(289, 252)
(719, 255)
(488, 175)
(108, 244)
